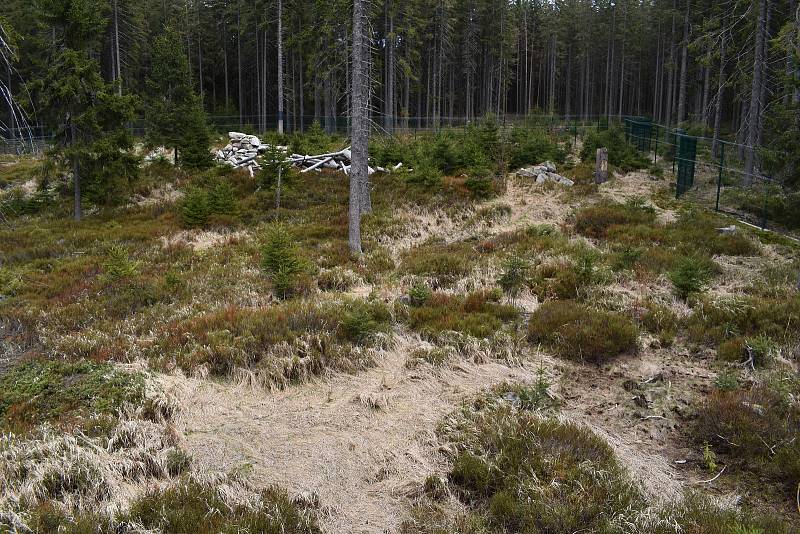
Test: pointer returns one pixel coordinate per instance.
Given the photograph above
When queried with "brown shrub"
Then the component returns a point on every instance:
(574, 331)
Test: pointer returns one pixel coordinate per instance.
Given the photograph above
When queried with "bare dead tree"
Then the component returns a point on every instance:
(360, 123)
(18, 128)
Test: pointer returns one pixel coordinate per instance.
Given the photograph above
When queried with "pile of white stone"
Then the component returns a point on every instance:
(545, 172)
(242, 151)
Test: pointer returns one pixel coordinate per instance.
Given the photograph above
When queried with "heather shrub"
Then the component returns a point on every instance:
(576, 332)
(757, 428)
(478, 314)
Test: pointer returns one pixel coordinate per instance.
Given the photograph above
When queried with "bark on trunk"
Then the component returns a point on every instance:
(754, 113)
(720, 93)
(389, 116)
(239, 60)
(76, 177)
(280, 68)
(360, 135)
(684, 68)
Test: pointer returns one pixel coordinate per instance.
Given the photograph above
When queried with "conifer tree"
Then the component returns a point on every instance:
(175, 116)
(92, 139)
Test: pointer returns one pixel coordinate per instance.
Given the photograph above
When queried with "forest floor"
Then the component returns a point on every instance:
(260, 391)
(364, 460)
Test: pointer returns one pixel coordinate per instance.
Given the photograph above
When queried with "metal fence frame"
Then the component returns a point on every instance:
(721, 182)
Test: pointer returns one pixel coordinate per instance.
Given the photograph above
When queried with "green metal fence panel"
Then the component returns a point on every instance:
(641, 134)
(686, 158)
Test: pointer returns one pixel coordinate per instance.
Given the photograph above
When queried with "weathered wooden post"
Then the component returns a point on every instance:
(601, 166)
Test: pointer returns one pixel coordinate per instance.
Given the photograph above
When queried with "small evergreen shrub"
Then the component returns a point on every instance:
(515, 276)
(530, 147)
(281, 261)
(178, 462)
(222, 199)
(419, 294)
(480, 186)
(576, 332)
(119, 266)
(195, 209)
(426, 174)
(620, 153)
(690, 276)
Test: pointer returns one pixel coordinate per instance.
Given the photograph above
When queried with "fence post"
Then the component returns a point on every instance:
(655, 151)
(764, 211)
(721, 166)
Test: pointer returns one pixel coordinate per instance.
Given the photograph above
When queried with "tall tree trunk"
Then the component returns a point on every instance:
(621, 78)
(239, 60)
(754, 112)
(610, 63)
(280, 67)
(301, 96)
(76, 176)
(360, 135)
(199, 56)
(568, 90)
(706, 90)
(720, 93)
(658, 78)
(671, 73)
(390, 68)
(118, 73)
(225, 62)
(684, 67)
(796, 74)
(406, 98)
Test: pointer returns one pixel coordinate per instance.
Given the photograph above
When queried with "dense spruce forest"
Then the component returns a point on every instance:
(728, 69)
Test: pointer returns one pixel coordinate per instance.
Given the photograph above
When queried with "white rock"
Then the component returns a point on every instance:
(542, 178)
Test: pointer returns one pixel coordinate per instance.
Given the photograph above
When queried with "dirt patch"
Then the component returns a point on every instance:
(361, 458)
(202, 240)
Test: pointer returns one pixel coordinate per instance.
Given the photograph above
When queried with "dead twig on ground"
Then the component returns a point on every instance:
(714, 478)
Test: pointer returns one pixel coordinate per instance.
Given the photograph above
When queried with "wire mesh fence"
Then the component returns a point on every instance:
(713, 173)
(707, 171)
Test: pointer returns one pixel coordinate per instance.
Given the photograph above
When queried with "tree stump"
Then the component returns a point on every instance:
(601, 166)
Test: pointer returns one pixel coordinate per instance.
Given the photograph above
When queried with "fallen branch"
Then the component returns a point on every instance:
(318, 164)
(712, 479)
